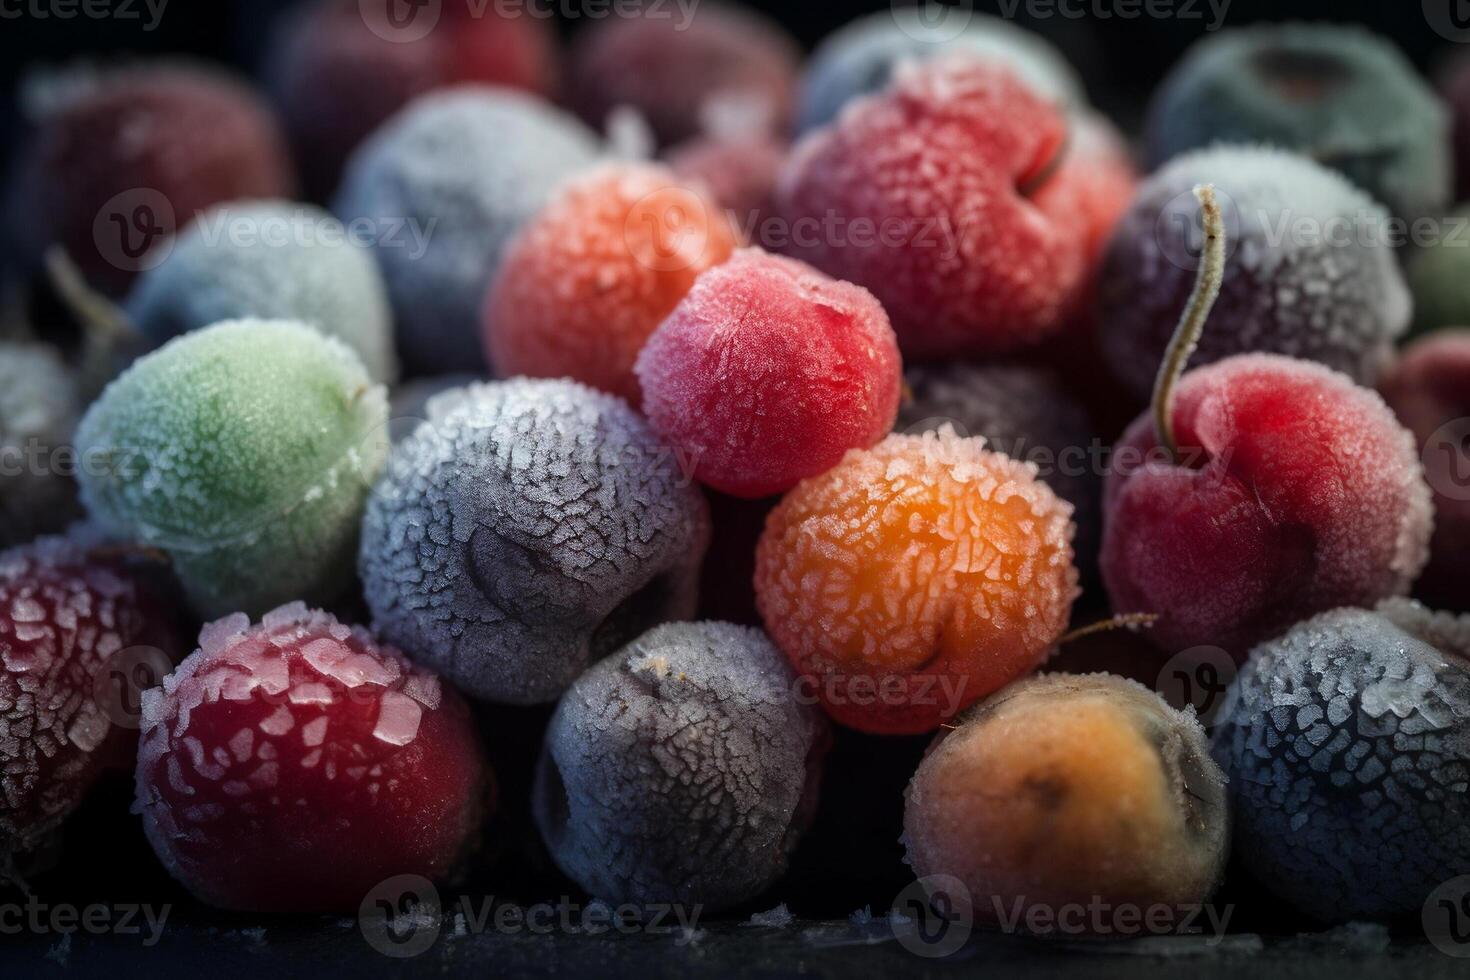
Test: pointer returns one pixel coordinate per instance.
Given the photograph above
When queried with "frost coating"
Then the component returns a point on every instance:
(62, 617)
(1336, 93)
(1310, 274)
(1025, 413)
(526, 530)
(860, 58)
(1347, 743)
(245, 451)
(38, 413)
(295, 764)
(271, 260)
(927, 562)
(465, 168)
(1065, 788)
(682, 769)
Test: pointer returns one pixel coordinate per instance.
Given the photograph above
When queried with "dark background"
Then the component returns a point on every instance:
(1121, 59)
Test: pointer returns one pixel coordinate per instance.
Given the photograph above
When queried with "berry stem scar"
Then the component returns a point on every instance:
(1192, 324)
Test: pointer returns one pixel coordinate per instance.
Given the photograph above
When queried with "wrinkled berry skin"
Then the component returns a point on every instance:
(1347, 742)
(293, 765)
(445, 184)
(1063, 790)
(336, 79)
(67, 615)
(1429, 391)
(525, 531)
(682, 769)
(1336, 93)
(1310, 273)
(119, 159)
(1295, 492)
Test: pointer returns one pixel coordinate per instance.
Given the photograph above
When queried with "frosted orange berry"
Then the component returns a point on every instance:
(592, 276)
(916, 578)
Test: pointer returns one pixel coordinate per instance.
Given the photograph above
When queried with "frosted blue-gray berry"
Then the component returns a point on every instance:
(1337, 93)
(860, 58)
(447, 182)
(1347, 746)
(682, 769)
(38, 413)
(1311, 273)
(526, 530)
(270, 260)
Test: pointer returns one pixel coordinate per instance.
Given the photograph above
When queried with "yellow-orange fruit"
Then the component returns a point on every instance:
(1077, 802)
(916, 578)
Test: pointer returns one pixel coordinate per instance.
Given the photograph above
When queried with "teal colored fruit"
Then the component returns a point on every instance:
(245, 451)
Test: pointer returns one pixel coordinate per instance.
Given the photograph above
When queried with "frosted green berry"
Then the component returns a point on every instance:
(245, 451)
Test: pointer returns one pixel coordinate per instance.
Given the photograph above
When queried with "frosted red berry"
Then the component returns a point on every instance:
(1295, 492)
(295, 764)
(769, 372)
(940, 196)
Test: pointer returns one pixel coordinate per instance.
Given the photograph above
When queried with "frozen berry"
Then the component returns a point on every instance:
(1336, 93)
(1347, 742)
(936, 196)
(1067, 790)
(269, 260)
(684, 71)
(294, 765)
(38, 414)
(1100, 170)
(916, 578)
(526, 530)
(588, 280)
(768, 372)
(740, 170)
(1429, 391)
(682, 769)
(1024, 413)
(119, 159)
(446, 184)
(1439, 276)
(245, 452)
(1312, 273)
(1455, 89)
(68, 616)
(860, 58)
(339, 68)
(1295, 492)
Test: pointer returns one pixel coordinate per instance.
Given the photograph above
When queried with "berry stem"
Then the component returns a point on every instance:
(106, 329)
(1192, 323)
(1131, 621)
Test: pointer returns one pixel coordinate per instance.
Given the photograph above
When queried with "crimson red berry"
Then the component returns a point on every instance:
(293, 765)
(940, 195)
(1429, 390)
(337, 72)
(1295, 492)
(121, 159)
(68, 619)
(769, 372)
(741, 171)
